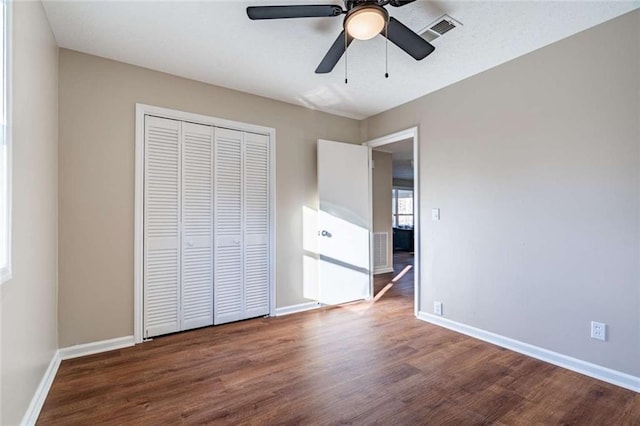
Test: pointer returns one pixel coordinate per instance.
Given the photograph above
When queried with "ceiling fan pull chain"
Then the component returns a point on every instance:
(386, 50)
(345, 57)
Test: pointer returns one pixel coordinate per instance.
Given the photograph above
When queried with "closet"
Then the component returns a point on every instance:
(206, 225)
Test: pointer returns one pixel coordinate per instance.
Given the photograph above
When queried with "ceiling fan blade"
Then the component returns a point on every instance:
(399, 3)
(408, 40)
(334, 54)
(302, 11)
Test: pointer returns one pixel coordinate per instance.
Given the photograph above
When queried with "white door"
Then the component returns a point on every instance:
(197, 225)
(162, 226)
(256, 225)
(206, 226)
(242, 255)
(228, 282)
(344, 222)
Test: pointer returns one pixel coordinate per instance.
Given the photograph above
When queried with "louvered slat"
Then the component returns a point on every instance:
(162, 227)
(197, 225)
(256, 225)
(228, 287)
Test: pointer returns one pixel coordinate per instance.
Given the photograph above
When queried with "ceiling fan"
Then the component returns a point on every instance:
(364, 20)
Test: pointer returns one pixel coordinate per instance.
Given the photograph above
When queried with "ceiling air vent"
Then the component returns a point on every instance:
(439, 27)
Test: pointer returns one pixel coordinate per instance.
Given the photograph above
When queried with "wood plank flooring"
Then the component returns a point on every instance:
(404, 286)
(366, 363)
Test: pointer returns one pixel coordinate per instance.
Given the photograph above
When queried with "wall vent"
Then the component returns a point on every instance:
(439, 27)
(380, 251)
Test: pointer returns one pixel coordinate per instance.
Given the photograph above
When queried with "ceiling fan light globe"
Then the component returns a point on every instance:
(366, 23)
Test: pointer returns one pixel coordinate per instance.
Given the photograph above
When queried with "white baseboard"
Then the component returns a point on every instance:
(286, 310)
(33, 411)
(383, 270)
(96, 347)
(599, 372)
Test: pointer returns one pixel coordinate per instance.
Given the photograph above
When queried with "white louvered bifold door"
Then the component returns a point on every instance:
(228, 281)
(162, 226)
(256, 225)
(197, 225)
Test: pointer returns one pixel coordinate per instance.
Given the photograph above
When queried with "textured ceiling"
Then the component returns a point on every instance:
(214, 42)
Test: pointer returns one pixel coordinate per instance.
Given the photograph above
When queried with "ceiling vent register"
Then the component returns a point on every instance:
(439, 27)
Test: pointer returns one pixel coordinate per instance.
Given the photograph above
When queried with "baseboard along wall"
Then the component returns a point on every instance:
(595, 371)
(40, 395)
(96, 347)
(292, 309)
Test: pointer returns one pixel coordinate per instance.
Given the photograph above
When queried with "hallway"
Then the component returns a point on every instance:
(404, 285)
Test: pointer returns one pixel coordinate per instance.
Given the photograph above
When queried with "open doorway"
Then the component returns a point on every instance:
(394, 215)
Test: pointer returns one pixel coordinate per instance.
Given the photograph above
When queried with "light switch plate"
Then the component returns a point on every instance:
(435, 214)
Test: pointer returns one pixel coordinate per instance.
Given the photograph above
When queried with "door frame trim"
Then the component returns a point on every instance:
(138, 253)
(411, 133)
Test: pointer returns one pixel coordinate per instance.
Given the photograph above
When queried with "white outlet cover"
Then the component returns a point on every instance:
(598, 330)
(437, 308)
(435, 214)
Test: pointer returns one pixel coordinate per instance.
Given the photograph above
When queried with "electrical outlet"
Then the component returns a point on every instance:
(598, 331)
(437, 308)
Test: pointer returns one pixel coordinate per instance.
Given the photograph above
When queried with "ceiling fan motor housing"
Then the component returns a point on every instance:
(350, 4)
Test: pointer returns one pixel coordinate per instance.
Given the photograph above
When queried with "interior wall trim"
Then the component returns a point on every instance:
(85, 349)
(595, 371)
(35, 406)
(293, 309)
(410, 133)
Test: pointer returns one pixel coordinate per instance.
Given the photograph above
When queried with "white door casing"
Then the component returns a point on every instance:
(411, 133)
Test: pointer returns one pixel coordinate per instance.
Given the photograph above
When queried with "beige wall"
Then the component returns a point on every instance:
(28, 301)
(97, 101)
(382, 178)
(535, 166)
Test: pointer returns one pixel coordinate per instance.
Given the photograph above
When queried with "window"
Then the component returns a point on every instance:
(402, 206)
(5, 150)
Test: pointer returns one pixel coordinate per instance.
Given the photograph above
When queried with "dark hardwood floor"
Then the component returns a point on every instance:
(402, 275)
(365, 363)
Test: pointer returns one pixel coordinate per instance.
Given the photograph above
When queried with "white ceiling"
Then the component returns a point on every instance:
(215, 42)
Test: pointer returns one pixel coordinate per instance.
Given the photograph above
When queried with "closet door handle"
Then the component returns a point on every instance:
(190, 243)
(236, 241)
